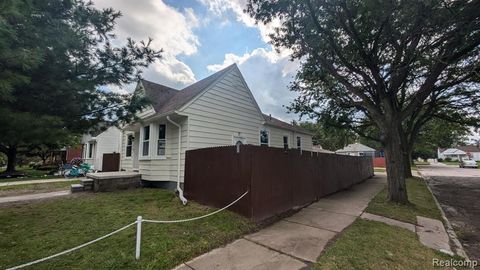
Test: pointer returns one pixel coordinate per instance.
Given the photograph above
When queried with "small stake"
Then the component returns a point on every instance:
(139, 237)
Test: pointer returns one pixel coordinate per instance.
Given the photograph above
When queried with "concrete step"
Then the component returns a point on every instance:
(87, 184)
(76, 188)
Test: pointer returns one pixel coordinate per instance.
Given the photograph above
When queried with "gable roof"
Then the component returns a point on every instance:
(469, 148)
(453, 151)
(463, 148)
(355, 147)
(166, 99)
(272, 121)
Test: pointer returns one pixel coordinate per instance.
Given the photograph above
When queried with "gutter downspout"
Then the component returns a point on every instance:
(179, 189)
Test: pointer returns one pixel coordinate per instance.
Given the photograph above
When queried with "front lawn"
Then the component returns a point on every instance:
(421, 204)
(30, 174)
(35, 230)
(374, 245)
(14, 190)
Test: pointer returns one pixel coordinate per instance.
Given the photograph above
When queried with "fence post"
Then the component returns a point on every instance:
(139, 237)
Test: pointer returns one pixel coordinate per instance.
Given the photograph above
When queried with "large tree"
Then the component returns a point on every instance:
(55, 56)
(394, 64)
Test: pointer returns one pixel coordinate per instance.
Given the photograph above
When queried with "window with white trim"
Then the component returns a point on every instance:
(264, 137)
(128, 150)
(299, 142)
(285, 142)
(90, 150)
(145, 140)
(161, 144)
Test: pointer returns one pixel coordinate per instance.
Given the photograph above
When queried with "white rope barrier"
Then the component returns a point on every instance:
(72, 249)
(138, 237)
(196, 218)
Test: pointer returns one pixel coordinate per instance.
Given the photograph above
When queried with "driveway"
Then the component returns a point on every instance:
(458, 192)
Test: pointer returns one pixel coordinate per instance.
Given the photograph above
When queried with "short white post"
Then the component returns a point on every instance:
(139, 237)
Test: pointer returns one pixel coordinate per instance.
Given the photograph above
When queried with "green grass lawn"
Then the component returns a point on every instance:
(30, 174)
(35, 230)
(421, 204)
(30, 188)
(416, 162)
(450, 162)
(379, 169)
(374, 245)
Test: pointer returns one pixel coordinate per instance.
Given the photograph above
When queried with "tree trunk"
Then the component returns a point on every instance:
(397, 191)
(11, 159)
(408, 163)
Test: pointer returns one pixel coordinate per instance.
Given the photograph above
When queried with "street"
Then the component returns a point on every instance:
(458, 192)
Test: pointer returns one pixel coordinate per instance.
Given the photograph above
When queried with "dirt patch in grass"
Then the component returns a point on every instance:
(35, 230)
(374, 245)
(460, 200)
(421, 204)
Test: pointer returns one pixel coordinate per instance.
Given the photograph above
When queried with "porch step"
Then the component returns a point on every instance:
(87, 184)
(76, 188)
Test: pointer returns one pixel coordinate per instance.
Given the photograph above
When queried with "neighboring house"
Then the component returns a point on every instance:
(216, 111)
(357, 149)
(98, 143)
(459, 152)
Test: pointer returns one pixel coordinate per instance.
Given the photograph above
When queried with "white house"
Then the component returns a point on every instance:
(459, 152)
(216, 111)
(356, 149)
(98, 143)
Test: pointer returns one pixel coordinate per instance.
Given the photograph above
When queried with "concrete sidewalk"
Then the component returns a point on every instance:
(39, 181)
(296, 241)
(34, 196)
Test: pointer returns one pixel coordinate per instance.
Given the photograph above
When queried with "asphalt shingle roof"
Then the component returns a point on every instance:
(166, 99)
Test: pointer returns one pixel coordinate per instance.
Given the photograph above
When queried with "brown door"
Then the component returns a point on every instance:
(111, 162)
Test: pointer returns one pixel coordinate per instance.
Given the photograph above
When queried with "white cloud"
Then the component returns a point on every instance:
(268, 75)
(170, 29)
(221, 8)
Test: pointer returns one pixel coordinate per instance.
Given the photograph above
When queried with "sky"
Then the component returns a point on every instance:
(200, 37)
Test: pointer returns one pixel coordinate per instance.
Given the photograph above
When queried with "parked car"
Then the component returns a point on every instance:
(468, 163)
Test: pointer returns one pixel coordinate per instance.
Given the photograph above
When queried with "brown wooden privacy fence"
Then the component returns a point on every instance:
(277, 180)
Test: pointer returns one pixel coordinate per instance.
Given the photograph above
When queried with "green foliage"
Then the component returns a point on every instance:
(438, 133)
(391, 65)
(55, 57)
(329, 137)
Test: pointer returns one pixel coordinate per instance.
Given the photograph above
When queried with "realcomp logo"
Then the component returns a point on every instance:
(454, 263)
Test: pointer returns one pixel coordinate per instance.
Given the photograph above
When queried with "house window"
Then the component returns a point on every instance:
(146, 140)
(90, 150)
(299, 142)
(264, 137)
(128, 151)
(285, 142)
(161, 140)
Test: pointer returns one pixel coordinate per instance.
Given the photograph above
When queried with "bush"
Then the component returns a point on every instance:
(440, 159)
(448, 159)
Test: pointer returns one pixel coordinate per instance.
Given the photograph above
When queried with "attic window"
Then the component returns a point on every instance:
(264, 137)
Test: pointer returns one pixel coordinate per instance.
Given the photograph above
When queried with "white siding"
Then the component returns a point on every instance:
(157, 168)
(276, 138)
(227, 109)
(108, 141)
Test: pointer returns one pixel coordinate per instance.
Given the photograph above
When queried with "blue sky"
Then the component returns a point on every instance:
(200, 37)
